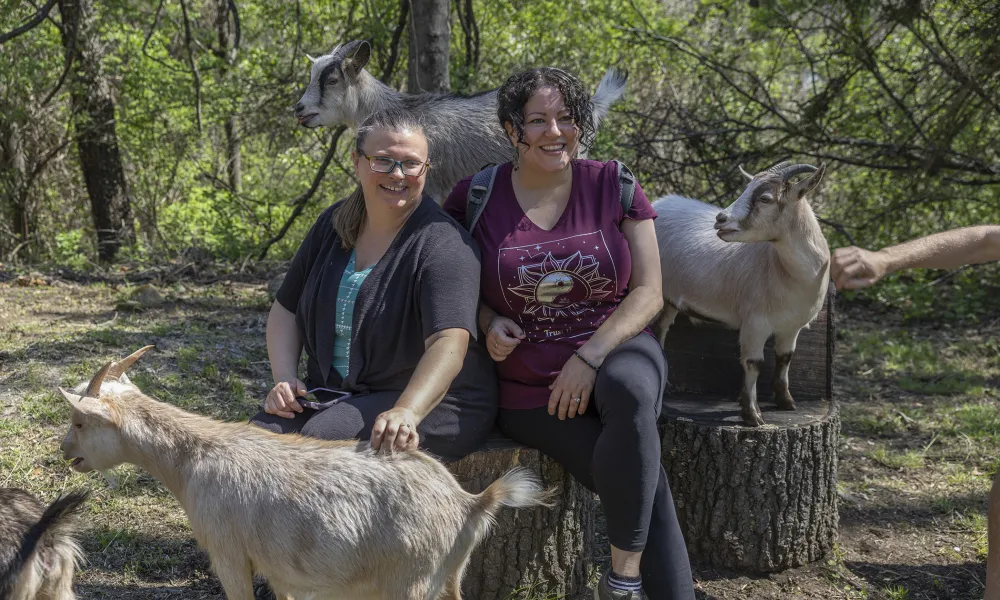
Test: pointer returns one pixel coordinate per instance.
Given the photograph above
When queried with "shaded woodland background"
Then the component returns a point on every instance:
(140, 132)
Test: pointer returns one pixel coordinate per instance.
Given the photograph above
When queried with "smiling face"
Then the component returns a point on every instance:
(551, 138)
(394, 190)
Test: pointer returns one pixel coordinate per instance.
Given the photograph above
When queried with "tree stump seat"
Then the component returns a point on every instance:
(751, 499)
(530, 553)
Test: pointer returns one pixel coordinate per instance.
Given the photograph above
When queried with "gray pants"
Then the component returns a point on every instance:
(452, 430)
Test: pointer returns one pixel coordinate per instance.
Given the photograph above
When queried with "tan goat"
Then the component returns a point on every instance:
(319, 519)
(38, 549)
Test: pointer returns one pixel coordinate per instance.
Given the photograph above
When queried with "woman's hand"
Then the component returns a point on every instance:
(502, 337)
(396, 430)
(281, 399)
(571, 389)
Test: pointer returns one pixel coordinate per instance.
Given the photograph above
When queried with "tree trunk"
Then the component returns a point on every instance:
(755, 500)
(430, 37)
(225, 24)
(97, 140)
(14, 173)
(541, 553)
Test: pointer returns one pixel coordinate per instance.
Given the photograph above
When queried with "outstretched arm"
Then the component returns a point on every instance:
(854, 268)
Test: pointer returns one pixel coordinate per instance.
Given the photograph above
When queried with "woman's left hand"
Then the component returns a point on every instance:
(571, 389)
(396, 430)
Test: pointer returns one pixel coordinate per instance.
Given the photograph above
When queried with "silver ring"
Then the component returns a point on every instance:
(577, 400)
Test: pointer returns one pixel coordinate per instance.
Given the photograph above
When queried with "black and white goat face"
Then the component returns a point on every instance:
(765, 209)
(333, 92)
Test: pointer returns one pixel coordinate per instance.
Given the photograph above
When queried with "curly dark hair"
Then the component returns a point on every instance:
(519, 87)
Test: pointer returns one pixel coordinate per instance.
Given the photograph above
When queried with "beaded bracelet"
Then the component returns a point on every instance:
(585, 361)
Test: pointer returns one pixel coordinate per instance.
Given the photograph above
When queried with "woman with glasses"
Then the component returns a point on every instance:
(570, 279)
(382, 296)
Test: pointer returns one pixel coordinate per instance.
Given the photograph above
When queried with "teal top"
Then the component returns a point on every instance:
(347, 293)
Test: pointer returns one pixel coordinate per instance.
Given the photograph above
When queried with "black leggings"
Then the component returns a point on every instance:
(615, 452)
(452, 430)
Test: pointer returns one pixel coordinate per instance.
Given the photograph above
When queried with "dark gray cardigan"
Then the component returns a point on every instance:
(428, 280)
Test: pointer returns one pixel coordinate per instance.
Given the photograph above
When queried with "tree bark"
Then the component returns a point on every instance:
(756, 500)
(226, 20)
(14, 173)
(97, 139)
(541, 553)
(430, 39)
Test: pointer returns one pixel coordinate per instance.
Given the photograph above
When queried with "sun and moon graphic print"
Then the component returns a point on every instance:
(556, 285)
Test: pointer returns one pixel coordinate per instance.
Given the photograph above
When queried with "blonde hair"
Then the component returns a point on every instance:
(350, 217)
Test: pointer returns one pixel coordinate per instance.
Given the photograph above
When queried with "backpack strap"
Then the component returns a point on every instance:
(479, 194)
(626, 186)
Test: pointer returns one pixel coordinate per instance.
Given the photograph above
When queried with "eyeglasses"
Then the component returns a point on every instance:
(384, 164)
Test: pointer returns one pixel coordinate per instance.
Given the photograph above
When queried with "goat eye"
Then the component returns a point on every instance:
(766, 198)
(332, 81)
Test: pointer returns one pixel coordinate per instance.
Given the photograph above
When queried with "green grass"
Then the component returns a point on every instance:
(897, 460)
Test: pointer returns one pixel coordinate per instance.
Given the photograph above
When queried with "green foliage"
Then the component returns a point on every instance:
(899, 98)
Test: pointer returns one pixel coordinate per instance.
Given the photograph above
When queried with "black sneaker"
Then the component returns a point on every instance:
(603, 592)
(262, 591)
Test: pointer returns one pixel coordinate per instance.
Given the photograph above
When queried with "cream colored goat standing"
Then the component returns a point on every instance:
(320, 519)
(761, 266)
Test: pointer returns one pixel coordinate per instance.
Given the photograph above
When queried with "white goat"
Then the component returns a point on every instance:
(463, 133)
(760, 266)
(319, 519)
(38, 547)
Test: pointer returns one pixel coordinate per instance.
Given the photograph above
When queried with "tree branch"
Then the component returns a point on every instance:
(194, 65)
(304, 198)
(390, 65)
(39, 16)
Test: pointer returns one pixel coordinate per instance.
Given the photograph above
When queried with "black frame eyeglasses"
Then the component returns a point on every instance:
(387, 164)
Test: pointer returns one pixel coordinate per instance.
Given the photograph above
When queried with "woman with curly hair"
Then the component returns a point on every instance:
(569, 282)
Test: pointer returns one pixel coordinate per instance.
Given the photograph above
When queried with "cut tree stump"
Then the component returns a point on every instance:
(755, 500)
(529, 552)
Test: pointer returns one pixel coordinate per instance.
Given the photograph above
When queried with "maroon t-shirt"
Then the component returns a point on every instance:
(558, 285)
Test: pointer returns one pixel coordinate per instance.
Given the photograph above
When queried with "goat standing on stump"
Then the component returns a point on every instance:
(463, 132)
(319, 519)
(38, 552)
(760, 266)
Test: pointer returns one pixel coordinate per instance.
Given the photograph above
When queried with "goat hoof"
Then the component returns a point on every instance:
(784, 401)
(752, 417)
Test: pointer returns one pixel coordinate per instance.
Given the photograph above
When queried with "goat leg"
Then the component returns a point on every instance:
(784, 349)
(664, 321)
(234, 574)
(752, 341)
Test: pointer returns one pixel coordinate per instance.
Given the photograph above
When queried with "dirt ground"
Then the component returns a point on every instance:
(919, 445)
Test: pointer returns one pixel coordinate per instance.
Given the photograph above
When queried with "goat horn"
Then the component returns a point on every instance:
(745, 174)
(793, 170)
(119, 368)
(94, 387)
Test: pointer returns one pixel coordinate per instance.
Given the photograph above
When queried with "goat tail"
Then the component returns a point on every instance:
(517, 488)
(54, 518)
(610, 89)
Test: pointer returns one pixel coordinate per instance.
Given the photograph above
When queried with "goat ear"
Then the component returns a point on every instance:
(357, 58)
(798, 190)
(90, 407)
